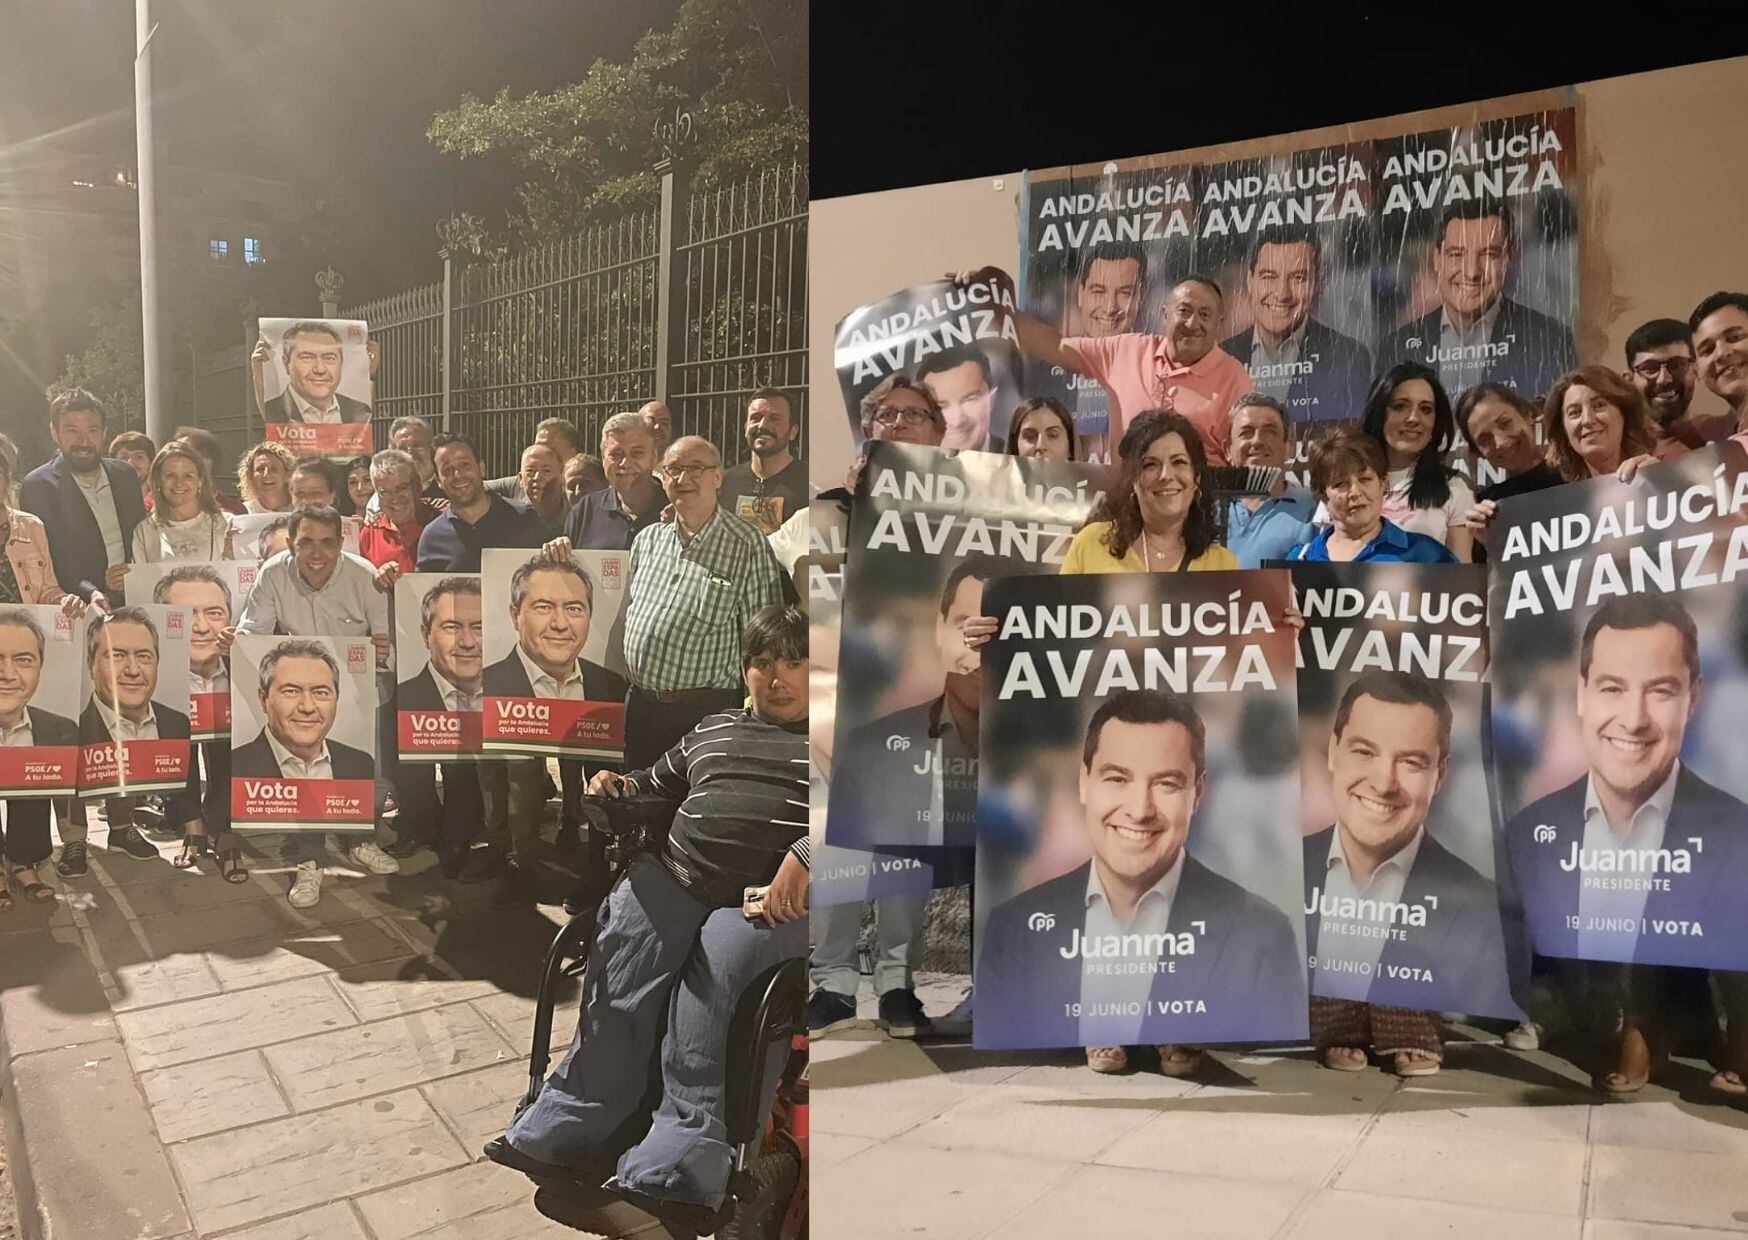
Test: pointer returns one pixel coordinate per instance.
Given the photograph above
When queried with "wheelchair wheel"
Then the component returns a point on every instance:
(770, 1184)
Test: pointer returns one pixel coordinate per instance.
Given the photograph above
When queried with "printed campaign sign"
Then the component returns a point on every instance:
(440, 658)
(1138, 855)
(314, 377)
(554, 653)
(959, 341)
(303, 734)
(41, 674)
(927, 534)
(1401, 906)
(1620, 681)
(213, 594)
(134, 730)
(249, 529)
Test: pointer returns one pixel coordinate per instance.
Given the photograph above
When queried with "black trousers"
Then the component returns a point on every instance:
(652, 726)
(446, 822)
(27, 831)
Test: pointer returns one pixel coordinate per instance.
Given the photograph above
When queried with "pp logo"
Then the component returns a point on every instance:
(1041, 922)
(355, 657)
(1544, 834)
(1414, 342)
(897, 744)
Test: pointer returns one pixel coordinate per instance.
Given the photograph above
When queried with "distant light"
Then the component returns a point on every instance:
(84, 184)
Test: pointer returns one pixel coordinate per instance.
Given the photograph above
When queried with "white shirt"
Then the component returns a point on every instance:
(1385, 886)
(1458, 370)
(454, 698)
(1101, 986)
(18, 736)
(323, 417)
(547, 686)
(293, 767)
(122, 728)
(201, 537)
(102, 502)
(1596, 908)
(218, 682)
(348, 604)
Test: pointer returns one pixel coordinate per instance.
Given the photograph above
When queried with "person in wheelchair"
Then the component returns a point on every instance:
(673, 942)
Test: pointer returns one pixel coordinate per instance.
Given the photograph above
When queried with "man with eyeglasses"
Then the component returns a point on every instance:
(1660, 364)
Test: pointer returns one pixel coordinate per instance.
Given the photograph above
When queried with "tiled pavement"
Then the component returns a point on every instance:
(946, 1143)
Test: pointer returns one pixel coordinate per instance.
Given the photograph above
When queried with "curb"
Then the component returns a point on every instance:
(30, 1221)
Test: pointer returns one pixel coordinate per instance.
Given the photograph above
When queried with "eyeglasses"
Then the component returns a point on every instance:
(1677, 367)
(891, 415)
(673, 473)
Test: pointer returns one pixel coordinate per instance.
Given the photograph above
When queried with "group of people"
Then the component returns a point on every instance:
(1382, 488)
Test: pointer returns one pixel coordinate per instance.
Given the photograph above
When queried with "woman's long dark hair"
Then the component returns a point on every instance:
(1123, 510)
(1050, 405)
(1430, 487)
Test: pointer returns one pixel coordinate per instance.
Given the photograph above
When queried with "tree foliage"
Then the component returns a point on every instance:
(112, 363)
(586, 151)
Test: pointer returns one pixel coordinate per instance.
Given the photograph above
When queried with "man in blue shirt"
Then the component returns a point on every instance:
(1265, 527)
(608, 519)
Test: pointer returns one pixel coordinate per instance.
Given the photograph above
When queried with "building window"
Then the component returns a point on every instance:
(219, 249)
(252, 251)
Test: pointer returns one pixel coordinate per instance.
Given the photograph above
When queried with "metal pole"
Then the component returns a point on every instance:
(160, 420)
(665, 316)
(448, 315)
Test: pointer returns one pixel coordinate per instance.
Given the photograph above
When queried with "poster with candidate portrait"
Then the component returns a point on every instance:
(1138, 856)
(928, 532)
(1289, 238)
(41, 677)
(1099, 254)
(959, 341)
(1477, 267)
(840, 875)
(1620, 697)
(303, 733)
(213, 594)
(554, 678)
(315, 385)
(1401, 903)
(440, 663)
(134, 729)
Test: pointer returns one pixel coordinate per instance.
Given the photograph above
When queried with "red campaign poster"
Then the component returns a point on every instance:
(111, 769)
(339, 440)
(211, 716)
(39, 771)
(302, 804)
(555, 726)
(451, 734)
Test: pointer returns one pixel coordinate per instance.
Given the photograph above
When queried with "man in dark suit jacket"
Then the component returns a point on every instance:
(256, 761)
(508, 677)
(1522, 348)
(283, 408)
(119, 639)
(1220, 965)
(1330, 379)
(303, 720)
(64, 490)
(48, 728)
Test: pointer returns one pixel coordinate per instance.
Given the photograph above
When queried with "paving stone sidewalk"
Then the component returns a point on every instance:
(181, 1057)
(946, 1143)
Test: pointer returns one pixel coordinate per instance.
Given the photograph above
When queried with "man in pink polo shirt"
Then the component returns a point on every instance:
(1184, 369)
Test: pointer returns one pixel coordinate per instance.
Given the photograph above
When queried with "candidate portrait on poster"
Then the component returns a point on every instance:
(40, 677)
(213, 595)
(318, 371)
(303, 718)
(134, 731)
(440, 648)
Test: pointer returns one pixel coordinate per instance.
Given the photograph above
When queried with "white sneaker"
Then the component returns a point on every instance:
(1526, 1037)
(373, 858)
(306, 888)
(955, 1024)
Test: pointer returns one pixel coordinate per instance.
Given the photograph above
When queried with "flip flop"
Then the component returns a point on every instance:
(1419, 1066)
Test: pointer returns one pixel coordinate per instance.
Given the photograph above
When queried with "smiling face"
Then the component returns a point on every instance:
(1721, 345)
(769, 427)
(1594, 426)
(455, 639)
(179, 479)
(628, 457)
(1166, 485)
(316, 548)
(300, 704)
(1258, 438)
(79, 437)
(398, 498)
(1633, 708)
(1408, 422)
(1193, 315)
(20, 669)
(359, 488)
(692, 474)
(1108, 297)
(1665, 376)
(965, 397)
(1383, 770)
(314, 361)
(1470, 264)
(270, 481)
(209, 613)
(1503, 436)
(553, 621)
(1282, 284)
(312, 486)
(540, 475)
(124, 668)
(458, 473)
(1137, 796)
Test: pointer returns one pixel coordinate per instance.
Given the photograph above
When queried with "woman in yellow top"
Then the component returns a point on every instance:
(1158, 517)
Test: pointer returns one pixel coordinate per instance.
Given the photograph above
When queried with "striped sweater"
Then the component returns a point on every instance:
(742, 784)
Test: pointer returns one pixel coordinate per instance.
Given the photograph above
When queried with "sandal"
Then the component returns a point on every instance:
(1417, 1063)
(231, 868)
(1107, 1059)
(35, 891)
(1180, 1061)
(1336, 1060)
(193, 847)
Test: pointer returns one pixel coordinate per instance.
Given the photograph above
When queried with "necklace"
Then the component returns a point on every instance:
(1147, 554)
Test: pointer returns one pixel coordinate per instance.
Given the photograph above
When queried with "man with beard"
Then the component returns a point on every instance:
(961, 382)
(451, 623)
(1109, 289)
(552, 601)
(1266, 527)
(608, 519)
(89, 505)
(1660, 363)
(1318, 372)
(314, 358)
(121, 655)
(1720, 346)
(770, 486)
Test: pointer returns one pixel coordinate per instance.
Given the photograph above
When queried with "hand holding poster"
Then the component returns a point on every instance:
(314, 385)
(134, 731)
(440, 643)
(303, 734)
(959, 341)
(1401, 907)
(40, 677)
(1114, 907)
(213, 595)
(555, 665)
(1620, 690)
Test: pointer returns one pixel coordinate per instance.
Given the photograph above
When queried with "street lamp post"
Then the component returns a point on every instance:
(160, 419)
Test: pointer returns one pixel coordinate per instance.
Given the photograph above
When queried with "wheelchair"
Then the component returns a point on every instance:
(767, 1188)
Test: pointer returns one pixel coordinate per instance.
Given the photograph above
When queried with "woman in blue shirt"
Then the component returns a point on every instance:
(1347, 474)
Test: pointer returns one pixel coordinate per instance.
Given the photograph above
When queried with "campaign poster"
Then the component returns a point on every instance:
(554, 678)
(315, 385)
(958, 341)
(1289, 238)
(40, 698)
(259, 536)
(1401, 904)
(1477, 271)
(303, 733)
(1138, 857)
(134, 730)
(928, 532)
(840, 875)
(440, 660)
(213, 594)
(1620, 698)
(1099, 255)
